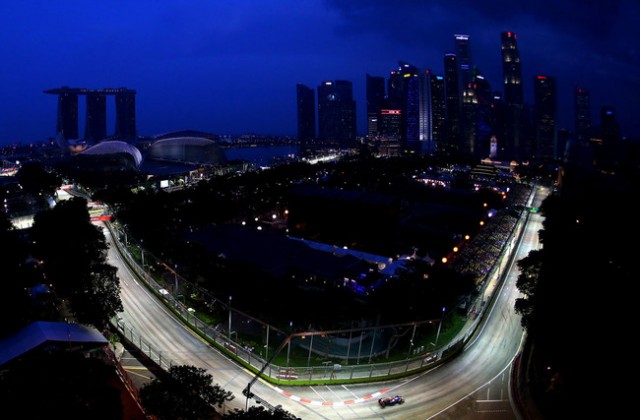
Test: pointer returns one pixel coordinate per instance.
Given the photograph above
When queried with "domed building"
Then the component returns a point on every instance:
(111, 155)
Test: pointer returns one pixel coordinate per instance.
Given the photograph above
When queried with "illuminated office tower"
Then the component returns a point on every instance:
(375, 102)
(336, 113)
(610, 126)
(466, 89)
(606, 143)
(515, 147)
(582, 104)
(306, 99)
(390, 125)
(404, 93)
(95, 128)
(477, 113)
(426, 118)
(463, 57)
(544, 118)
(438, 113)
(125, 113)
(452, 104)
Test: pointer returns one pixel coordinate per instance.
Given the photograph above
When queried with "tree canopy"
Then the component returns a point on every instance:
(73, 254)
(185, 392)
(574, 282)
(259, 413)
(36, 180)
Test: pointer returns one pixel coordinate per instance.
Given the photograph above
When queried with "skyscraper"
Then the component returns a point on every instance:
(375, 102)
(426, 118)
(582, 104)
(544, 119)
(390, 125)
(95, 128)
(438, 112)
(452, 103)
(608, 145)
(336, 113)
(67, 120)
(610, 126)
(512, 70)
(478, 117)
(463, 55)
(406, 93)
(578, 149)
(513, 96)
(306, 99)
(125, 113)
(466, 90)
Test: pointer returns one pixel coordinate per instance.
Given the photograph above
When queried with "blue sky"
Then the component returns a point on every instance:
(230, 67)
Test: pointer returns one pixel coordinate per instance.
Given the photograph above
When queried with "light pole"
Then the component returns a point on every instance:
(230, 297)
(413, 335)
(266, 346)
(289, 343)
(124, 230)
(439, 326)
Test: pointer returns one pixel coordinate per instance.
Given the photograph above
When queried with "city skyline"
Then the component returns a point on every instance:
(233, 69)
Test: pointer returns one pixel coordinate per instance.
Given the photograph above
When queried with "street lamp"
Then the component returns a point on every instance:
(230, 298)
(439, 326)
(141, 246)
(413, 335)
(124, 230)
(175, 278)
(289, 343)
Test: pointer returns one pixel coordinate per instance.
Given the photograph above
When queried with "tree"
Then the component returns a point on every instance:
(185, 392)
(73, 251)
(530, 271)
(35, 180)
(101, 293)
(259, 413)
(12, 260)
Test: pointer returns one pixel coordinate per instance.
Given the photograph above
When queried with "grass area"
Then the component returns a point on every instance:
(294, 356)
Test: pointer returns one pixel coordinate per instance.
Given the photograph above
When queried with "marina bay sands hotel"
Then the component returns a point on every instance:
(96, 113)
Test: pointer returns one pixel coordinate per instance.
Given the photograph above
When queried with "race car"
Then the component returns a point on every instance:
(384, 402)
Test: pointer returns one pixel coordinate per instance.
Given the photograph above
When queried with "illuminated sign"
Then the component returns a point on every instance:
(390, 111)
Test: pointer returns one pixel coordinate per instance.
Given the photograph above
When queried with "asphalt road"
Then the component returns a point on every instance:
(475, 385)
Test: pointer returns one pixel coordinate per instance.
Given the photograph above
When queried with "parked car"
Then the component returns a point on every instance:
(384, 402)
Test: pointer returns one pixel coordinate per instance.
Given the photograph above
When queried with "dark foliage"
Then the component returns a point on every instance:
(185, 392)
(73, 255)
(576, 284)
(393, 202)
(259, 413)
(14, 312)
(36, 180)
(60, 384)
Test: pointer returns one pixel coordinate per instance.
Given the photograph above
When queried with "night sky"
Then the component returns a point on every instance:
(231, 67)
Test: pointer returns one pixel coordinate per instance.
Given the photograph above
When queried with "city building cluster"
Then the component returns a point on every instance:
(458, 113)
